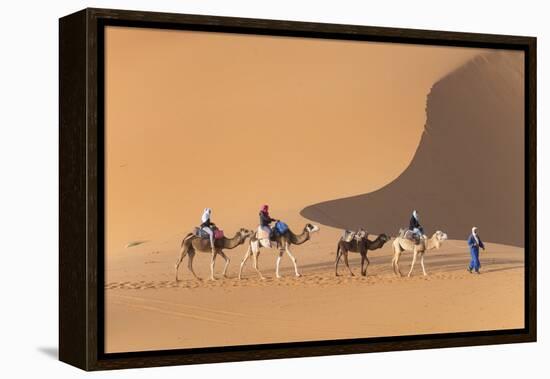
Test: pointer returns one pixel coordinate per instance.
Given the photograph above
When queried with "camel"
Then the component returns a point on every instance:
(191, 243)
(283, 242)
(361, 246)
(402, 244)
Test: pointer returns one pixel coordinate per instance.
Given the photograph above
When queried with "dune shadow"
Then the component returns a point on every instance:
(468, 168)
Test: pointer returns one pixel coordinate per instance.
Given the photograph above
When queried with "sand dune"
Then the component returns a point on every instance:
(469, 167)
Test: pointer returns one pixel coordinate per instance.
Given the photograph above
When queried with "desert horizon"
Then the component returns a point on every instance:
(338, 134)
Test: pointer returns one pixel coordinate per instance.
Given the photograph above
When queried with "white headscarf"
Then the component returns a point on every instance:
(474, 233)
(415, 215)
(206, 214)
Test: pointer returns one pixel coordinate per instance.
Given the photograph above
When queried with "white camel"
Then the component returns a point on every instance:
(282, 242)
(401, 244)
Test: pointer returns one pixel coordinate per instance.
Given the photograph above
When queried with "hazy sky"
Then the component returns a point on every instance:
(226, 121)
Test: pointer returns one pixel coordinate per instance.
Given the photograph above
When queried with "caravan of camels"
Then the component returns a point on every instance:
(209, 239)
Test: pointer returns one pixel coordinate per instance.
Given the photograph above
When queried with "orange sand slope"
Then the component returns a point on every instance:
(469, 167)
(146, 309)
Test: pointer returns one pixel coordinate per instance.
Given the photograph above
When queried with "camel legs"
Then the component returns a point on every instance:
(395, 264)
(245, 258)
(422, 264)
(281, 252)
(293, 259)
(191, 255)
(227, 260)
(255, 257)
(183, 253)
(338, 256)
(212, 263)
(347, 263)
(364, 261)
(412, 264)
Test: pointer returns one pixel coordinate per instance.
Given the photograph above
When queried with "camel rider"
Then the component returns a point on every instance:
(207, 226)
(266, 220)
(414, 225)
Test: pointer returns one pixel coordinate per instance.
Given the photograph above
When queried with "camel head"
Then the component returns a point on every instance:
(438, 237)
(245, 233)
(384, 238)
(311, 228)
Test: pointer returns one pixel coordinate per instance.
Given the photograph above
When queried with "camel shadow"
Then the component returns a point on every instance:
(502, 269)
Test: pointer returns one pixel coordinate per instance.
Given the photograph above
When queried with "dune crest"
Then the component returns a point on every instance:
(469, 167)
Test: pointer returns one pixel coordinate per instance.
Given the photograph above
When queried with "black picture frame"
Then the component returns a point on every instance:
(81, 162)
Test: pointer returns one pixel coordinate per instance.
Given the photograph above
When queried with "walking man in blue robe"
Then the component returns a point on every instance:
(474, 242)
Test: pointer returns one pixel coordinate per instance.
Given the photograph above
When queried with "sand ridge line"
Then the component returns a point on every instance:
(170, 313)
(178, 304)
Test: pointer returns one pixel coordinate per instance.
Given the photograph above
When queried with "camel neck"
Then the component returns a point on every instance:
(376, 244)
(234, 241)
(299, 239)
(431, 243)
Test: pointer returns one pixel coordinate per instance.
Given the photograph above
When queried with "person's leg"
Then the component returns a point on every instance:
(211, 236)
(267, 231)
(478, 261)
(477, 264)
(472, 260)
(417, 235)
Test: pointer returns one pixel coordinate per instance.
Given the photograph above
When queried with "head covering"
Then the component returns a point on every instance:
(474, 233)
(415, 214)
(265, 208)
(206, 214)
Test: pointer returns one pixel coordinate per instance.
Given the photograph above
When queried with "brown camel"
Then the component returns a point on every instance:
(283, 242)
(401, 244)
(361, 246)
(192, 243)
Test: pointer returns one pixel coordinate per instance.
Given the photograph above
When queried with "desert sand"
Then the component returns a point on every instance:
(231, 122)
(146, 309)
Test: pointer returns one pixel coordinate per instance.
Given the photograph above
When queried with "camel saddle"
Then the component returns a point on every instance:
(199, 232)
(409, 235)
(350, 235)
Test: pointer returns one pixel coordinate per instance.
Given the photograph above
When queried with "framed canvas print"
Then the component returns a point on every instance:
(240, 189)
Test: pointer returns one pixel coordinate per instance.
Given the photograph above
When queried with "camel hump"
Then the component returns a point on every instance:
(186, 238)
